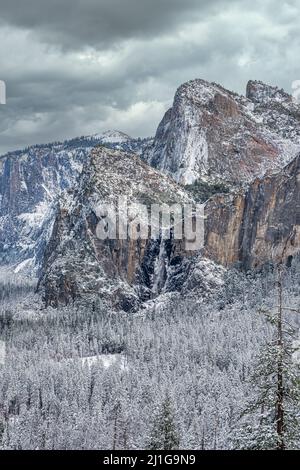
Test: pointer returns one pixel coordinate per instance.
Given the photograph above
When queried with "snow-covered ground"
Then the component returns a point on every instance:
(106, 360)
(111, 137)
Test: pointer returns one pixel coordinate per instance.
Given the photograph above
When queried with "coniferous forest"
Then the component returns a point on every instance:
(193, 376)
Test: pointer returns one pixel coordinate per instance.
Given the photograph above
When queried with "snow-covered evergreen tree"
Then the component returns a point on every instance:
(272, 419)
(164, 435)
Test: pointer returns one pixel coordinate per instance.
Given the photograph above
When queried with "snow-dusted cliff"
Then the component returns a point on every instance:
(31, 181)
(49, 195)
(211, 133)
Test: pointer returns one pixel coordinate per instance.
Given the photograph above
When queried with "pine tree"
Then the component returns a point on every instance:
(164, 435)
(271, 419)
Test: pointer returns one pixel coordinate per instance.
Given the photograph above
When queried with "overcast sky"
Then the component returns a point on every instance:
(76, 67)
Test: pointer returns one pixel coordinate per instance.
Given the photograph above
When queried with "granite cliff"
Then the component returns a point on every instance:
(243, 150)
(211, 133)
(32, 181)
(259, 225)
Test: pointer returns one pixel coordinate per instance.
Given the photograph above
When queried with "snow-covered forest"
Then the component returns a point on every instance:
(86, 378)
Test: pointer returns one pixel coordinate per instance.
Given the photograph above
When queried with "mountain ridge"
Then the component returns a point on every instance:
(48, 195)
(31, 181)
(213, 133)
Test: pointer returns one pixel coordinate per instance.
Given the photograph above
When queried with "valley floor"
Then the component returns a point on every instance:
(79, 379)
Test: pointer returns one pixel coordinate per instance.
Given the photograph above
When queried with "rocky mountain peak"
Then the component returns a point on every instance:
(31, 182)
(202, 93)
(112, 137)
(259, 92)
(210, 136)
(213, 133)
(197, 90)
(123, 271)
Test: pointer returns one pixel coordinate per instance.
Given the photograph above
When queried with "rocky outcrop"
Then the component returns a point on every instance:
(122, 272)
(50, 198)
(260, 93)
(31, 181)
(259, 225)
(248, 229)
(211, 133)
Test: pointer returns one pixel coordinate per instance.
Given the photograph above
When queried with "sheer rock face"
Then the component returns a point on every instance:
(31, 181)
(250, 228)
(121, 272)
(261, 93)
(49, 199)
(259, 225)
(213, 134)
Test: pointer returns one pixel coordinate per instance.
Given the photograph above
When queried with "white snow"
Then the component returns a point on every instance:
(2, 352)
(195, 156)
(106, 360)
(296, 353)
(111, 137)
(27, 263)
(35, 219)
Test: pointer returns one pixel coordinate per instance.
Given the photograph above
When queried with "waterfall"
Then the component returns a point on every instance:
(160, 269)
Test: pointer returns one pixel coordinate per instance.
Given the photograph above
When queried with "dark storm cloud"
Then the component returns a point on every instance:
(78, 67)
(78, 23)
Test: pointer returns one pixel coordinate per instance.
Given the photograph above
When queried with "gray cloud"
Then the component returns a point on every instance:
(78, 67)
(101, 23)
